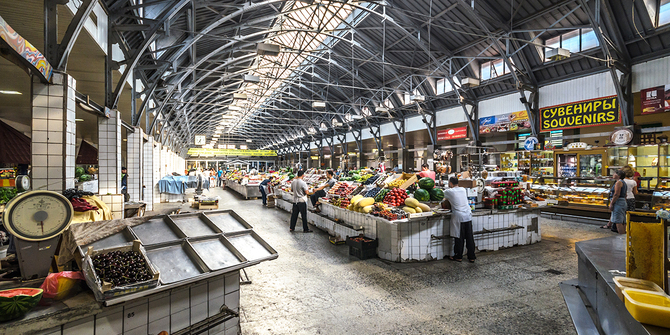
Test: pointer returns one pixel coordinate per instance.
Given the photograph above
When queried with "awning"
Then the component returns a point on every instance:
(14, 146)
(88, 154)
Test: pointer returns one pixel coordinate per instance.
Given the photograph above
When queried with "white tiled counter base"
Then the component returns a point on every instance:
(115, 203)
(169, 311)
(338, 231)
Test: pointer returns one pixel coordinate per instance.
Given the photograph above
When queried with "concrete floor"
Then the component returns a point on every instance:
(315, 287)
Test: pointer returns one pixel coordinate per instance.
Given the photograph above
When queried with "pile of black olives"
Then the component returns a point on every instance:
(121, 268)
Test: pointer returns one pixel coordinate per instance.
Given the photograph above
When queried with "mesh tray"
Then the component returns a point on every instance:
(120, 239)
(228, 221)
(251, 246)
(176, 262)
(157, 230)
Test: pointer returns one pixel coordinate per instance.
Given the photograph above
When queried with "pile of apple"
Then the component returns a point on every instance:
(396, 197)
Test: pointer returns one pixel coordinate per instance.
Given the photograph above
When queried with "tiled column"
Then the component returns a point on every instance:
(109, 161)
(135, 162)
(148, 173)
(53, 133)
(157, 170)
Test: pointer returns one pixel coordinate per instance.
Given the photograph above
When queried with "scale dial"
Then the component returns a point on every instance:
(23, 183)
(38, 215)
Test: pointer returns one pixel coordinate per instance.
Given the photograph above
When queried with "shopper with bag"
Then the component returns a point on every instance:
(300, 193)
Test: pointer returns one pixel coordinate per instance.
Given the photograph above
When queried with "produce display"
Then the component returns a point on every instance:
(390, 214)
(426, 183)
(396, 197)
(17, 302)
(396, 183)
(380, 196)
(79, 171)
(7, 194)
(373, 192)
(372, 180)
(342, 189)
(422, 195)
(436, 194)
(121, 268)
(341, 202)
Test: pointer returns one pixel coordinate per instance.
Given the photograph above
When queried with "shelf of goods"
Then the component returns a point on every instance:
(413, 231)
(194, 263)
(651, 161)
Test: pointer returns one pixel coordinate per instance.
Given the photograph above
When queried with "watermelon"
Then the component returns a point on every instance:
(78, 171)
(16, 302)
(436, 194)
(426, 183)
(422, 195)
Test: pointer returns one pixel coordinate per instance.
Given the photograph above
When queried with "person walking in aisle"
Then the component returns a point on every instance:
(322, 190)
(631, 188)
(262, 187)
(461, 221)
(300, 193)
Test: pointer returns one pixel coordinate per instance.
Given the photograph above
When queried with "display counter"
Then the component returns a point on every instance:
(599, 261)
(424, 238)
(247, 191)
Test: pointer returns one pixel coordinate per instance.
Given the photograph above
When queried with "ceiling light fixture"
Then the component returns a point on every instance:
(558, 54)
(78, 120)
(10, 92)
(249, 141)
(319, 104)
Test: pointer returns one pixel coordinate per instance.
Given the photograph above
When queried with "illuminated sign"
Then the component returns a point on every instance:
(229, 152)
(452, 133)
(588, 113)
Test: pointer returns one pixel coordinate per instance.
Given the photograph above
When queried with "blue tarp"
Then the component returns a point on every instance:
(179, 184)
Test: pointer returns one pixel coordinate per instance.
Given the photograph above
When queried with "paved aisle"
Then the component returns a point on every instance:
(315, 287)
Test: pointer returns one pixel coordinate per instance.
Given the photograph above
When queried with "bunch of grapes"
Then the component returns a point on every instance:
(121, 268)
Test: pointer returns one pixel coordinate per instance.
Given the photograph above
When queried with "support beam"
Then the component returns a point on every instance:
(399, 125)
(72, 32)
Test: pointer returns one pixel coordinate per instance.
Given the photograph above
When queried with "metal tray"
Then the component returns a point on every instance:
(122, 238)
(228, 221)
(176, 261)
(194, 225)
(217, 253)
(158, 230)
(252, 246)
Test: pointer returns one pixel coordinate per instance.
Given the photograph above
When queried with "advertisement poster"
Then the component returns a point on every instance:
(655, 99)
(504, 122)
(452, 133)
(588, 113)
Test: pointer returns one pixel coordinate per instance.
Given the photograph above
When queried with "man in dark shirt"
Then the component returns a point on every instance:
(321, 191)
(262, 187)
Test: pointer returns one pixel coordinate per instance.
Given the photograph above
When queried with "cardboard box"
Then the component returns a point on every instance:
(467, 183)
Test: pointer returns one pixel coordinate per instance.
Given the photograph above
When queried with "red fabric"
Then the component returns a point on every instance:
(15, 147)
(429, 174)
(636, 177)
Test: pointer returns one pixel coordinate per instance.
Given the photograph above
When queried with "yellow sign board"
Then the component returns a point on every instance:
(230, 152)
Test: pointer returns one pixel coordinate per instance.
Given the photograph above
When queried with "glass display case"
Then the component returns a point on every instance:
(542, 163)
(617, 157)
(584, 191)
(566, 164)
(590, 165)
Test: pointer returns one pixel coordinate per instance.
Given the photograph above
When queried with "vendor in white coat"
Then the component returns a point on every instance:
(461, 221)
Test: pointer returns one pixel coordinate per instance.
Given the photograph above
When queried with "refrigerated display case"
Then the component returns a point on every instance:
(542, 163)
(590, 165)
(566, 165)
(574, 192)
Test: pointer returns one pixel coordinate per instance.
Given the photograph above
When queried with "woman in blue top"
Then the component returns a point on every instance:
(618, 203)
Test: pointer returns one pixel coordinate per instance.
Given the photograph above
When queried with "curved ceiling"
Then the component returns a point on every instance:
(352, 56)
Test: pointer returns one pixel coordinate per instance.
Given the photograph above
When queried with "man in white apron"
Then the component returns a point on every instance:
(461, 221)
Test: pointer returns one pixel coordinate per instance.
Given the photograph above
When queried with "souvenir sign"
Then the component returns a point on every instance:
(588, 113)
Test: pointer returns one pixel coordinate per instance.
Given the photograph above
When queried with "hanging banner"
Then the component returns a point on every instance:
(655, 99)
(587, 113)
(452, 133)
(230, 152)
(27, 56)
(504, 122)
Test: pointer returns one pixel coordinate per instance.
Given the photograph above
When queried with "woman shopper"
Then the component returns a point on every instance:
(618, 203)
(632, 187)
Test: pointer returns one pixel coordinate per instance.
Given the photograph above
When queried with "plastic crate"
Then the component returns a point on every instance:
(362, 249)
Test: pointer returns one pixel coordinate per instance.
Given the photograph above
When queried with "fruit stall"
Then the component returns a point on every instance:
(172, 274)
(406, 219)
(246, 184)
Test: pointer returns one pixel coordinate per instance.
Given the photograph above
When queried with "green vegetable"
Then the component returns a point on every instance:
(78, 171)
(7, 194)
(85, 177)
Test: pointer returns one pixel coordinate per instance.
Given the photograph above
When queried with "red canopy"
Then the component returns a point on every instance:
(88, 154)
(14, 146)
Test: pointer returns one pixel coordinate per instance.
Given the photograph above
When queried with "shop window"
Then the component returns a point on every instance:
(494, 68)
(664, 12)
(557, 143)
(575, 41)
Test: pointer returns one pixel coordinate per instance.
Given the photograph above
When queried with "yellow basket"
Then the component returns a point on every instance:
(645, 250)
(648, 307)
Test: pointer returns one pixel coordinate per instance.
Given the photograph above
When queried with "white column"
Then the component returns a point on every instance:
(109, 161)
(157, 170)
(148, 173)
(53, 133)
(134, 156)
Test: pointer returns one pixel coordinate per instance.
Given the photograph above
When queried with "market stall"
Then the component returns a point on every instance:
(411, 225)
(186, 276)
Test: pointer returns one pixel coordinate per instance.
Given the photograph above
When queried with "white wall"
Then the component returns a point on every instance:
(505, 104)
(590, 87)
(650, 74)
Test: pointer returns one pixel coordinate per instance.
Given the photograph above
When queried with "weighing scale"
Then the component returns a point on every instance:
(36, 219)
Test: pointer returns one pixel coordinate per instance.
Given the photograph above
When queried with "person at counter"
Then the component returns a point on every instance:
(322, 190)
(618, 203)
(425, 172)
(300, 193)
(262, 186)
(461, 221)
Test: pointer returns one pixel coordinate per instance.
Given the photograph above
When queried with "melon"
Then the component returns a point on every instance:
(421, 195)
(409, 210)
(426, 183)
(16, 302)
(424, 207)
(411, 202)
(436, 194)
